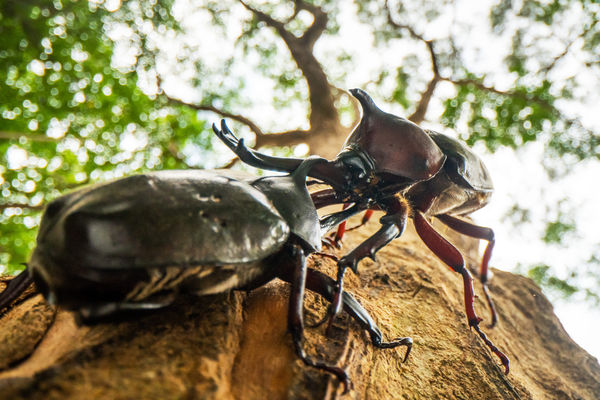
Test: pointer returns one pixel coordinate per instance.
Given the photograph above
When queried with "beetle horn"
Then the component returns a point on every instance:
(370, 112)
(365, 100)
(299, 175)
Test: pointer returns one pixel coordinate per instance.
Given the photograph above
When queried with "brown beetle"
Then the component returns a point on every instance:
(392, 165)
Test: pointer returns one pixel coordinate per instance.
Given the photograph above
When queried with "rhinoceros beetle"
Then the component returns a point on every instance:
(138, 242)
(388, 163)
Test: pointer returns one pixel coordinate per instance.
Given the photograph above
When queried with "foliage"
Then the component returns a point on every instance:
(93, 90)
(540, 274)
(70, 115)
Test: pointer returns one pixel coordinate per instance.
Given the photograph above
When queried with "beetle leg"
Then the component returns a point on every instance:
(393, 224)
(366, 217)
(330, 221)
(323, 285)
(339, 234)
(478, 232)
(326, 287)
(452, 257)
(335, 240)
(296, 319)
(93, 313)
(14, 288)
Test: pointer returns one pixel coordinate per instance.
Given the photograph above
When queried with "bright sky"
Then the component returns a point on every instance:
(519, 176)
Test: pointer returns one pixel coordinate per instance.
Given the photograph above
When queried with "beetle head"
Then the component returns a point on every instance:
(383, 143)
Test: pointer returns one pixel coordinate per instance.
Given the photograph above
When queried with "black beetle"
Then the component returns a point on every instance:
(391, 164)
(137, 242)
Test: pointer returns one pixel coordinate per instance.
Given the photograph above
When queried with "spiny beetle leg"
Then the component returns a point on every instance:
(336, 239)
(452, 257)
(14, 288)
(478, 232)
(369, 247)
(325, 286)
(393, 224)
(296, 317)
(330, 221)
(336, 302)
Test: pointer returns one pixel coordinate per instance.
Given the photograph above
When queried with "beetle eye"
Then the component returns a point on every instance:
(356, 169)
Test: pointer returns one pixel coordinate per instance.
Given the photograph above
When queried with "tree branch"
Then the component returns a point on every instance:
(10, 135)
(287, 138)
(4, 206)
(514, 94)
(323, 114)
(418, 115)
(320, 19)
(326, 131)
(205, 107)
(567, 48)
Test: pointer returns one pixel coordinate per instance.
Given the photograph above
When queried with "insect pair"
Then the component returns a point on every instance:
(137, 242)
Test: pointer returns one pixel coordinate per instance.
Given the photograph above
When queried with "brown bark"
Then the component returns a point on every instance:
(235, 346)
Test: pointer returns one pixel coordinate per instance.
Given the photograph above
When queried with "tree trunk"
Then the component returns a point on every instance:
(235, 346)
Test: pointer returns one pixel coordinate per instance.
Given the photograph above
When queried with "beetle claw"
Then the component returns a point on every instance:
(340, 373)
(353, 265)
(333, 241)
(372, 256)
(321, 321)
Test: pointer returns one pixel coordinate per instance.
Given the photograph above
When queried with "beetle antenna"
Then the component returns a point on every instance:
(304, 168)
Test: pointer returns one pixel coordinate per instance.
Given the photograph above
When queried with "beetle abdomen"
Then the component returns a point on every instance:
(131, 238)
(463, 166)
(200, 280)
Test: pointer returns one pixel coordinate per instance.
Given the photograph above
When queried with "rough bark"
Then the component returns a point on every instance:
(235, 346)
